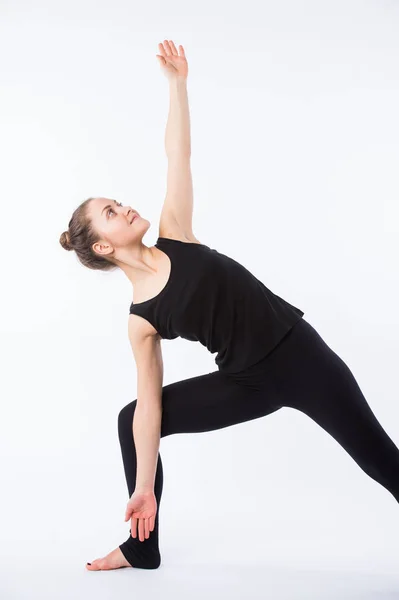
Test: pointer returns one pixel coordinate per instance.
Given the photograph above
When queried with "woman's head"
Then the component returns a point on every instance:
(101, 232)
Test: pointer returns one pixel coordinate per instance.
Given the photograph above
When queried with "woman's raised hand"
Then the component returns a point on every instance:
(141, 509)
(173, 63)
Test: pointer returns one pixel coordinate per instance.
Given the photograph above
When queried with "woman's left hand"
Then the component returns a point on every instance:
(141, 509)
(174, 64)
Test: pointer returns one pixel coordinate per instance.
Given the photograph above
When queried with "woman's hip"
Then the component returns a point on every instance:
(301, 363)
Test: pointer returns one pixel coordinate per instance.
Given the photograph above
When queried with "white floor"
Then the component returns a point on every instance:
(360, 571)
(191, 578)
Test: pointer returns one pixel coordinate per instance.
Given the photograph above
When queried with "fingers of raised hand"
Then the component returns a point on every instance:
(169, 49)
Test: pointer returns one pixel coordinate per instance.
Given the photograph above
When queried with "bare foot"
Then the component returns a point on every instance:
(113, 560)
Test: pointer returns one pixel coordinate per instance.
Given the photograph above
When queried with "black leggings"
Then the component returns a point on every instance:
(301, 372)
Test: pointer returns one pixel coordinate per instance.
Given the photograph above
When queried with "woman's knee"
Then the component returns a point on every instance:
(125, 416)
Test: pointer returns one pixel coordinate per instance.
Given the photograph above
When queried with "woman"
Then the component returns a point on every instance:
(268, 356)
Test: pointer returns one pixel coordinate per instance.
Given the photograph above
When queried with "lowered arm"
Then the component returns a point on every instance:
(148, 413)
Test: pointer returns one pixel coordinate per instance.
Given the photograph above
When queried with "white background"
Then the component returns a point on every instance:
(294, 126)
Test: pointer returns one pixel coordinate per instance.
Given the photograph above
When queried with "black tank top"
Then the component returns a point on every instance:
(213, 299)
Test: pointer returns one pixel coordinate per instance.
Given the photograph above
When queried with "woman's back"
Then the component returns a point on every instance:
(211, 298)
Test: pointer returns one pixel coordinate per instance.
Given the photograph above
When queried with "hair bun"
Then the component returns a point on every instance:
(65, 241)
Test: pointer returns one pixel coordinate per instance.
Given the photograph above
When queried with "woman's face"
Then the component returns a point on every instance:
(117, 225)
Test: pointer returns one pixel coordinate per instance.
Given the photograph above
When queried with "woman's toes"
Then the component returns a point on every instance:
(95, 565)
(113, 560)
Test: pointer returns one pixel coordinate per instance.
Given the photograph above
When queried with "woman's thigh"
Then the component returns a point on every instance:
(312, 378)
(214, 401)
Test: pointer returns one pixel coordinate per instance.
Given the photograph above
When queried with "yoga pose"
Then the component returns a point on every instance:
(268, 355)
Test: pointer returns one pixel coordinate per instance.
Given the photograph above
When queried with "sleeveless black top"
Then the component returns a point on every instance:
(211, 298)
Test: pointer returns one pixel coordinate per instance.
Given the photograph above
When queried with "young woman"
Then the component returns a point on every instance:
(268, 355)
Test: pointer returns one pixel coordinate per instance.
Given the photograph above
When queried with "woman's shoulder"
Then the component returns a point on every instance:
(172, 231)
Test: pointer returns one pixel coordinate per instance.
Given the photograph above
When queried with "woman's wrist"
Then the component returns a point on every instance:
(144, 489)
(177, 80)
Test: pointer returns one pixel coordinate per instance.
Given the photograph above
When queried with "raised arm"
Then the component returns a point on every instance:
(178, 204)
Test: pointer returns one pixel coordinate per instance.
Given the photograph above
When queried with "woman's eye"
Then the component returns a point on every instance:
(118, 203)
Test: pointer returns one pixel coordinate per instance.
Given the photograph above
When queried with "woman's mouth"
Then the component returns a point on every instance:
(134, 217)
